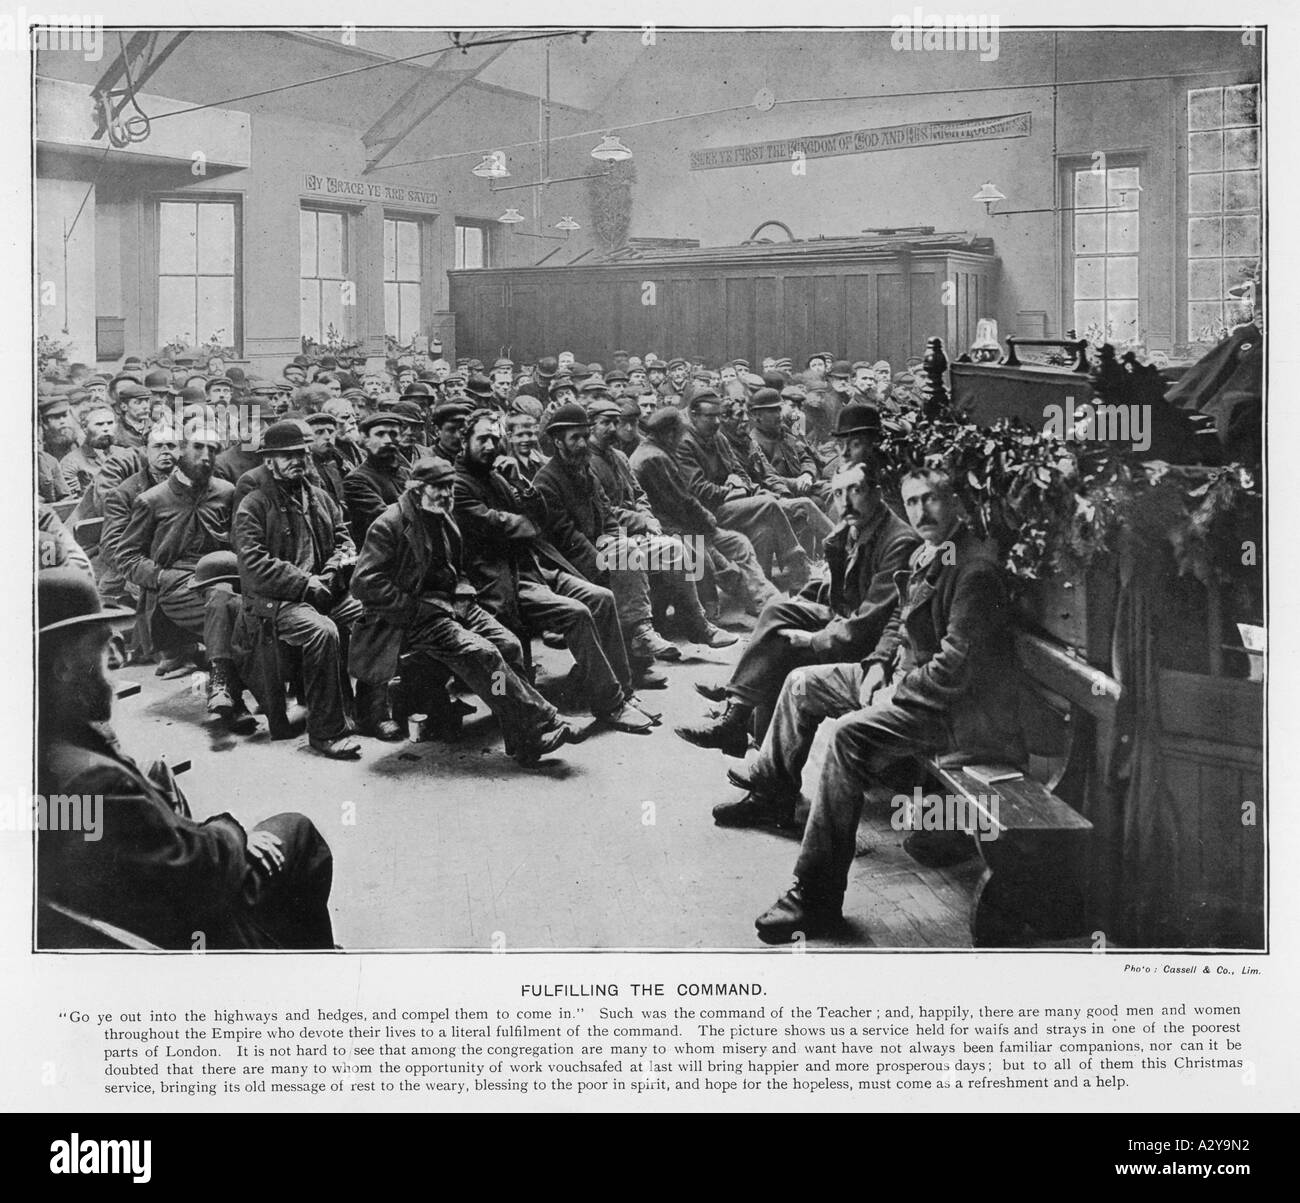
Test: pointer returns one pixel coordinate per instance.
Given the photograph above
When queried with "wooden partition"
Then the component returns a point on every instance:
(860, 298)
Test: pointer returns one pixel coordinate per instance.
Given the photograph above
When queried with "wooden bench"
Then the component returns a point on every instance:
(1033, 843)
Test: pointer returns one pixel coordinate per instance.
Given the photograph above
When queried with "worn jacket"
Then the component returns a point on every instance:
(283, 537)
(401, 570)
(174, 524)
(789, 455)
(706, 464)
(369, 490)
(664, 482)
(117, 505)
(749, 455)
(578, 514)
(860, 586)
(631, 506)
(950, 644)
(234, 461)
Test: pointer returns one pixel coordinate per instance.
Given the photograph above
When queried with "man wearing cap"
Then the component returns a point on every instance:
(56, 430)
(295, 560)
(411, 419)
(329, 466)
(160, 386)
(582, 524)
(220, 390)
(526, 583)
(152, 870)
(658, 470)
(722, 485)
(83, 464)
(835, 620)
(378, 481)
(171, 527)
(97, 387)
(521, 434)
(791, 458)
(133, 403)
(669, 566)
(420, 609)
(502, 380)
(347, 438)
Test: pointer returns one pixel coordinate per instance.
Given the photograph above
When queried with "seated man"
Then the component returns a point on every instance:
(526, 583)
(791, 458)
(418, 603)
(737, 502)
(295, 557)
(376, 483)
(172, 525)
(152, 870)
(835, 621)
(948, 660)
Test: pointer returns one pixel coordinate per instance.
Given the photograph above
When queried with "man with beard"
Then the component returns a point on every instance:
(658, 470)
(82, 465)
(737, 502)
(673, 583)
(411, 416)
(58, 434)
(347, 438)
(420, 607)
(172, 525)
(522, 436)
(582, 525)
(941, 679)
(526, 583)
(656, 373)
(628, 431)
(377, 482)
(152, 870)
(679, 376)
(791, 459)
(833, 621)
(134, 405)
(295, 559)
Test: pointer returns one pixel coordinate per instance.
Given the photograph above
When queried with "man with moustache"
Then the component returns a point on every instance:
(833, 621)
(940, 679)
(347, 438)
(152, 871)
(58, 434)
(420, 607)
(83, 464)
(295, 560)
(133, 404)
(527, 584)
(792, 460)
(378, 481)
(325, 459)
(172, 525)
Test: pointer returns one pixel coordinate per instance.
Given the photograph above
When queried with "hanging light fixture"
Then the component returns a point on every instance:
(493, 167)
(988, 193)
(511, 217)
(567, 223)
(611, 150)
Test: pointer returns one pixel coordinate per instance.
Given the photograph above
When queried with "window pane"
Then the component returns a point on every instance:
(1241, 148)
(309, 301)
(1205, 108)
(1203, 318)
(410, 296)
(176, 253)
(1118, 178)
(472, 255)
(1241, 191)
(1089, 190)
(1205, 193)
(216, 239)
(1241, 105)
(1204, 237)
(176, 309)
(1087, 313)
(1121, 232)
(1205, 280)
(331, 308)
(1237, 271)
(1089, 233)
(1241, 236)
(1121, 278)
(1089, 278)
(306, 243)
(329, 228)
(390, 310)
(1204, 152)
(216, 309)
(1122, 317)
(408, 250)
(390, 250)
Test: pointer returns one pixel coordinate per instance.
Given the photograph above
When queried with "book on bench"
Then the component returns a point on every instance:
(991, 774)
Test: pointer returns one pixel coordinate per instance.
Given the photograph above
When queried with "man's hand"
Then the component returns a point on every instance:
(737, 494)
(319, 595)
(802, 640)
(803, 483)
(508, 466)
(264, 849)
(734, 481)
(871, 683)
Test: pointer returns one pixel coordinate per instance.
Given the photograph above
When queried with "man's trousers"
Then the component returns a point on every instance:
(489, 659)
(764, 665)
(324, 659)
(640, 563)
(290, 907)
(864, 743)
(808, 521)
(585, 614)
(764, 523)
(208, 614)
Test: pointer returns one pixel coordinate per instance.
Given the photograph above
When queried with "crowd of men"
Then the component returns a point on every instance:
(411, 528)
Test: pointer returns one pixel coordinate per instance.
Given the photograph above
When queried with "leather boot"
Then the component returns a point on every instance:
(220, 698)
(798, 912)
(372, 711)
(729, 733)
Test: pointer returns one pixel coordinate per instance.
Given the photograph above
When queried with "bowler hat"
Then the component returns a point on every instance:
(569, 417)
(283, 436)
(67, 597)
(562, 380)
(857, 419)
(840, 368)
(765, 398)
(479, 386)
(159, 381)
(432, 470)
(417, 390)
(216, 568)
(547, 366)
